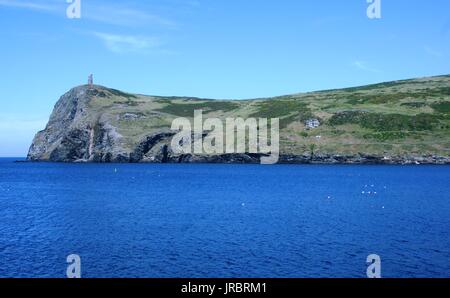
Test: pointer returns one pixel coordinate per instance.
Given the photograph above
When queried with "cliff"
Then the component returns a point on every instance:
(395, 123)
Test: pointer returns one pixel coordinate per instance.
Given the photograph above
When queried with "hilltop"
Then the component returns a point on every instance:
(405, 121)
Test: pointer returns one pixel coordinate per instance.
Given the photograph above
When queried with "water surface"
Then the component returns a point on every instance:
(146, 220)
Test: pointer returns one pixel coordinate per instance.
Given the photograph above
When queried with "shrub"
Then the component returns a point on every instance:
(386, 122)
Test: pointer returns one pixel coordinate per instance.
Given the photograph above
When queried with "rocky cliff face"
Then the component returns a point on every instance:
(75, 134)
(78, 133)
(99, 124)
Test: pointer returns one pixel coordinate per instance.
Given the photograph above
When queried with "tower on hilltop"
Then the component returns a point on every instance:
(91, 80)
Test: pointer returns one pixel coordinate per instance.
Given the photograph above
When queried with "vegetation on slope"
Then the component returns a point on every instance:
(393, 118)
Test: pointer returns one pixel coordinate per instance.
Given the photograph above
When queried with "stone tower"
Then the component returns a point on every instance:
(91, 80)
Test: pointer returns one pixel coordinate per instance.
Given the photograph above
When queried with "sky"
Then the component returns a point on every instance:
(224, 49)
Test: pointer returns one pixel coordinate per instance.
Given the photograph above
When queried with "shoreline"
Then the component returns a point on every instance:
(318, 159)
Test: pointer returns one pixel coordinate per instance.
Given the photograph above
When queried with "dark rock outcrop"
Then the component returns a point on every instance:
(149, 143)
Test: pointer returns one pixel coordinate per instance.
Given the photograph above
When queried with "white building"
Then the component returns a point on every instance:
(312, 123)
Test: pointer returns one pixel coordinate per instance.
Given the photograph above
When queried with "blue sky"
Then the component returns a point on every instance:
(207, 48)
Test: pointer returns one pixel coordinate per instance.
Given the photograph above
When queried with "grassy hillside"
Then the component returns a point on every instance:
(395, 118)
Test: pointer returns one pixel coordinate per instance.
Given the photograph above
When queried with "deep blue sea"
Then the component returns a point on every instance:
(151, 220)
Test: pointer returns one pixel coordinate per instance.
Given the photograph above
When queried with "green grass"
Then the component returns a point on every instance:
(387, 118)
(413, 104)
(280, 108)
(442, 107)
(386, 122)
(187, 109)
(381, 98)
(287, 110)
(121, 94)
(385, 136)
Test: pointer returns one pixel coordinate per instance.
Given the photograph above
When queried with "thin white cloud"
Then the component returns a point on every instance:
(127, 43)
(363, 66)
(122, 15)
(32, 5)
(432, 52)
(108, 13)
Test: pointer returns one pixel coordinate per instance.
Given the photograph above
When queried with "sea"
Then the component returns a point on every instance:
(220, 220)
